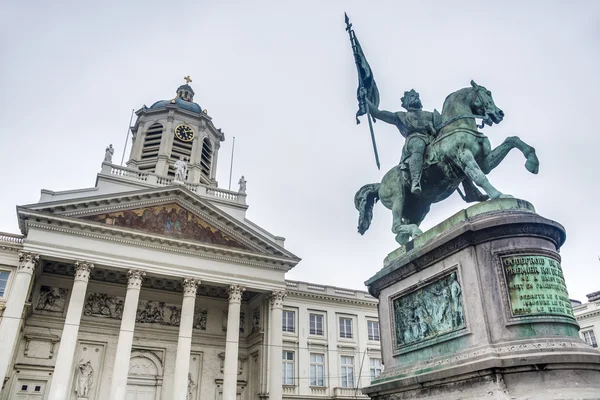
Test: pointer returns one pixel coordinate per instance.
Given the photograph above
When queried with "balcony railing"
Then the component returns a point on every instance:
(154, 179)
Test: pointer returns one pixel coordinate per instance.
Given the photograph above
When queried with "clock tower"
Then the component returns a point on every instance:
(173, 128)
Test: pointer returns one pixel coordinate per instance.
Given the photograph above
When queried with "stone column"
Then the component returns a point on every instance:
(184, 342)
(11, 318)
(231, 345)
(276, 345)
(166, 143)
(120, 372)
(63, 369)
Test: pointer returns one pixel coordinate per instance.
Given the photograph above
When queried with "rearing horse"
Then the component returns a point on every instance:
(458, 154)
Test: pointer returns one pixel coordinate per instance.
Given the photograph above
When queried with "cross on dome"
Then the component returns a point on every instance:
(187, 79)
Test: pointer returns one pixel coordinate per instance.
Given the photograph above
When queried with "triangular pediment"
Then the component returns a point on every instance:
(170, 220)
(167, 214)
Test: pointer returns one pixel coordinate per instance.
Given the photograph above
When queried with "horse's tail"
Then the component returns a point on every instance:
(364, 200)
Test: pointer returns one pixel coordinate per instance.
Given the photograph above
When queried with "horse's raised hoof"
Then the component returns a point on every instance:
(532, 166)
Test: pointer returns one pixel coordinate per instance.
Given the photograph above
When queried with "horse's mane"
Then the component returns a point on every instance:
(450, 98)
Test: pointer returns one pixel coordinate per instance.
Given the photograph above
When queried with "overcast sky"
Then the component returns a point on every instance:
(281, 79)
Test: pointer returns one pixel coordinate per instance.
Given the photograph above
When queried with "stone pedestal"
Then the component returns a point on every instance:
(477, 308)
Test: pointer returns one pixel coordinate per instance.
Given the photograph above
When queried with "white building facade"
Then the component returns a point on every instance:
(153, 285)
(588, 317)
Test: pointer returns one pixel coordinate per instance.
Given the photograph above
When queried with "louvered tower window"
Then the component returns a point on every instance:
(206, 160)
(180, 148)
(151, 146)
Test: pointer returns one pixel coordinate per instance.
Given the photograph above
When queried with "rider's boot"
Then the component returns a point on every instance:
(415, 165)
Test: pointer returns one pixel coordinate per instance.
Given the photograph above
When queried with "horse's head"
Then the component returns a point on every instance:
(483, 104)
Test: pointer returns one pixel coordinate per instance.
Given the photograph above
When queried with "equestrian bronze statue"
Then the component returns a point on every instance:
(441, 152)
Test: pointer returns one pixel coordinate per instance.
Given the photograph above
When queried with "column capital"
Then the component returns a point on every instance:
(189, 286)
(135, 278)
(28, 261)
(277, 298)
(235, 293)
(83, 269)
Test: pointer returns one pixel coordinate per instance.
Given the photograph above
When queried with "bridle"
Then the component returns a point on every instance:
(465, 116)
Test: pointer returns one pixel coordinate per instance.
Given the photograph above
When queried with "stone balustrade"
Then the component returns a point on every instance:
(318, 391)
(343, 393)
(288, 389)
(11, 238)
(152, 178)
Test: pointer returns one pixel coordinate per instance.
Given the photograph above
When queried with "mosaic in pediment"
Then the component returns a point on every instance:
(170, 220)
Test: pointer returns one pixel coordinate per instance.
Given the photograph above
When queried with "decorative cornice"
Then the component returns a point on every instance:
(28, 262)
(83, 269)
(190, 285)
(135, 277)
(205, 251)
(235, 293)
(424, 257)
(316, 296)
(277, 298)
(200, 206)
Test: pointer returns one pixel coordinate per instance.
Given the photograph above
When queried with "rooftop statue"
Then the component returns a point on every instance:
(441, 152)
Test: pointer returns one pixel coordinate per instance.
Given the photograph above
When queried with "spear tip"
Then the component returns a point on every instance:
(346, 18)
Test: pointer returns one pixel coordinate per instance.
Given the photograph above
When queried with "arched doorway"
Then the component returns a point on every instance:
(145, 376)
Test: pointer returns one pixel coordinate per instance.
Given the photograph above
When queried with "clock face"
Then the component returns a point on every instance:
(184, 133)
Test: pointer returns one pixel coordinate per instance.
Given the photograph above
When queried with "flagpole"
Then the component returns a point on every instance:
(372, 136)
(362, 99)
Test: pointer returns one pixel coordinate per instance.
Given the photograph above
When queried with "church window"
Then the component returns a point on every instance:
(288, 321)
(287, 365)
(590, 338)
(316, 324)
(206, 158)
(345, 328)
(373, 329)
(3, 282)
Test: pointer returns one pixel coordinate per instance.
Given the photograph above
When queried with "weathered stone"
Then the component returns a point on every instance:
(459, 321)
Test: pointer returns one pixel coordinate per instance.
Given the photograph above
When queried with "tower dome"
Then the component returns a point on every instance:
(172, 130)
(184, 98)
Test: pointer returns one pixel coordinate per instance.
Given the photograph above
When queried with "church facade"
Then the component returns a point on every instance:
(153, 284)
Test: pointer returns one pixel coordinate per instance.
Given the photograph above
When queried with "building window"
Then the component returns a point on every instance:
(288, 321)
(3, 282)
(316, 324)
(590, 338)
(287, 366)
(346, 328)
(206, 157)
(347, 363)
(373, 328)
(375, 366)
(317, 369)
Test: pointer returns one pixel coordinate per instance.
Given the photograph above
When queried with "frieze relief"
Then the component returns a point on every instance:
(432, 310)
(148, 312)
(103, 305)
(170, 220)
(52, 299)
(158, 313)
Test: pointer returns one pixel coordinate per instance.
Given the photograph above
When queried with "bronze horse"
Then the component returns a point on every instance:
(459, 153)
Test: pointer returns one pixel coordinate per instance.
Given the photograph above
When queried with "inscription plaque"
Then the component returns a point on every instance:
(536, 286)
